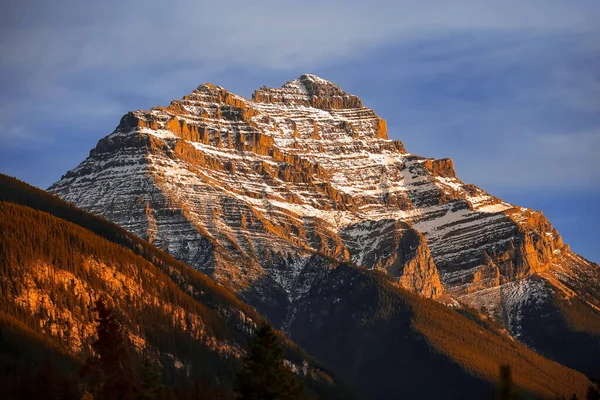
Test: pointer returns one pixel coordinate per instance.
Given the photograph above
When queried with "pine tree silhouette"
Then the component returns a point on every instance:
(506, 387)
(111, 369)
(263, 374)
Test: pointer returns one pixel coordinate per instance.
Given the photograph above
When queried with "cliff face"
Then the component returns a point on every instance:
(250, 190)
(397, 249)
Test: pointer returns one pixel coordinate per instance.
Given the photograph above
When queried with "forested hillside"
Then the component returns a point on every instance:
(53, 270)
(57, 261)
(391, 341)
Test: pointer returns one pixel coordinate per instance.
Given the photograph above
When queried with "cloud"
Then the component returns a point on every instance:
(268, 34)
(512, 110)
(467, 79)
(18, 135)
(567, 160)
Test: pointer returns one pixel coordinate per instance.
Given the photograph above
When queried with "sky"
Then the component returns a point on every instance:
(510, 90)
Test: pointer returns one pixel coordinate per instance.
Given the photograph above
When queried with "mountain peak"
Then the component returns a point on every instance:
(309, 90)
(309, 80)
(312, 84)
(207, 85)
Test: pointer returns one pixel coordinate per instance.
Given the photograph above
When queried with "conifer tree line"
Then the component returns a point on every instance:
(43, 239)
(111, 372)
(114, 372)
(263, 375)
(506, 390)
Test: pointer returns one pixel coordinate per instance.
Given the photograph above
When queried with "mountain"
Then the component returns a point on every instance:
(395, 344)
(263, 194)
(56, 260)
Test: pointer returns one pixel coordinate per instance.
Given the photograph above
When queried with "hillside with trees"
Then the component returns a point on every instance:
(390, 341)
(54, 271)
(60, 266)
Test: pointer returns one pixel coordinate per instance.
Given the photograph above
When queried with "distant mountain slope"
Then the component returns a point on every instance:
(52, 270)
(249, 190)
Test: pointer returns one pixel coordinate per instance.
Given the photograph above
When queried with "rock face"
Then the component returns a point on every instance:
(253, 191)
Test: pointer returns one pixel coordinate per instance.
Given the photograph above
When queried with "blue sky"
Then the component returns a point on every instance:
(509, 89)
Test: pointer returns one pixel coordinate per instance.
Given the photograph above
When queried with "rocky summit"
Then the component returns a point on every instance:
(260, 193)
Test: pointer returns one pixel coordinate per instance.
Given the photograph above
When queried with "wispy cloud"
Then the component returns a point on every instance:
(513, 110)
(498, 85)
(264, 33)
(18, 136)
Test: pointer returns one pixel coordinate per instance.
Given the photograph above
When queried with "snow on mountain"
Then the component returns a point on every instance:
(252, 190)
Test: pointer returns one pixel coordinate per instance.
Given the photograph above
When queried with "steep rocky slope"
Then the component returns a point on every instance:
(56, 260)
(249, 191)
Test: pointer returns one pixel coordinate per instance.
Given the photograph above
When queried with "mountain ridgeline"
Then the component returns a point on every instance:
(382, 264)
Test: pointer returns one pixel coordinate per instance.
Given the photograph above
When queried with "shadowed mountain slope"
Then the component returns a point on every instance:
(53, 269)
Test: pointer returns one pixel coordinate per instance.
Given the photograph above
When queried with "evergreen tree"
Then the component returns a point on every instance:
(152, 382)
(111, 369)
(263, 374)
(506, 387)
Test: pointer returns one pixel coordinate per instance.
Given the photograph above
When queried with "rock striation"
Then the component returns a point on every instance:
(252, 191)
